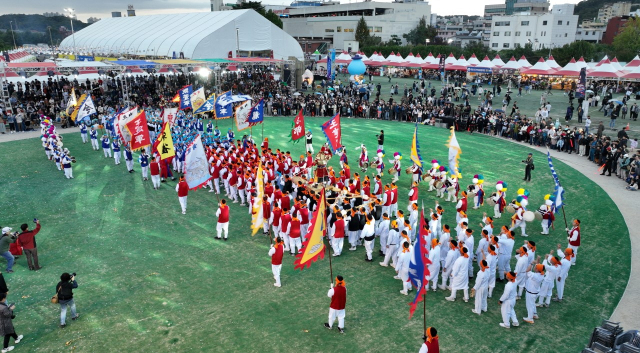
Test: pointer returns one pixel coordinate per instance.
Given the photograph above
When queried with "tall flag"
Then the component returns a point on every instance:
(223, 109)
(559, 190)
(242, 115)
(257, 113)
(71, 105)
(415, 148)
(419, 268)
(185, 97)
(313, 247)
(164, 143)
(122, 119)
(196, 167)
(139, 132)
(197, 99)
(257, 219)
(169, 115)
(454, 154)
(227, 99)
(333, 132)
(333, 60)
(329, 63)
(207, 106)
(176, 98)
(297, 128)
(86, 108)
(582, 83)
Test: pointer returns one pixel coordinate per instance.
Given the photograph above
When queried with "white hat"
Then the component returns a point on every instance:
(6, 230)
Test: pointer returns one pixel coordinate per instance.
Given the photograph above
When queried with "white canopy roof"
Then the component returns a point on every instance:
(473, 60)
(376, 57)
(552, 63)
(200, 35)
(512, 64)
(462, 61)
(430, 59)
(523, 62)
(450, 59)
(486, 63)
(633, 63)
(497, 61)
(581, 63)
(616, 64)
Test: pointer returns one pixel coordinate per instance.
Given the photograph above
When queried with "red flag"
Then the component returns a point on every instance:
(333, 132)
(297, 132)
(139, 131)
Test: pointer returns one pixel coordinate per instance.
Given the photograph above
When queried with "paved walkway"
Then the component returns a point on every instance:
(628, 309)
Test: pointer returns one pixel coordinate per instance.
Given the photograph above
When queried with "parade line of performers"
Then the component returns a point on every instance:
(364, 212)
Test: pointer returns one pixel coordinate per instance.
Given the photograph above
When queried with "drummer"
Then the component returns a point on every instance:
(415, 171)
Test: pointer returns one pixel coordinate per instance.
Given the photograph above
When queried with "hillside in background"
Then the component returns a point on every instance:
(588, 9)
(33, 29)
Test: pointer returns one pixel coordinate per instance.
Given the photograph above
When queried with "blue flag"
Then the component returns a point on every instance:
(256, 115)
(185, 97)
(223, 106)
(207, 106)
(559, 190)
(418, 267)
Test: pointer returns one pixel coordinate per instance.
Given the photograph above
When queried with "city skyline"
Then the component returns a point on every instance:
(99, 9)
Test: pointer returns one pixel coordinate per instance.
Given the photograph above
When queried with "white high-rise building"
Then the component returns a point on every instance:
(551, 29)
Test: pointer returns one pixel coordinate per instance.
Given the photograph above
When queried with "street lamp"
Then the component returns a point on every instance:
(51, 39)
(13, 35)
(427, 41)
(69, 12)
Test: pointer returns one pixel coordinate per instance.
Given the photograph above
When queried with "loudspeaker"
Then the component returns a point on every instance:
(287, 76)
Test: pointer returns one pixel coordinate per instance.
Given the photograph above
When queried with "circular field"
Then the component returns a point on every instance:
(152, 279)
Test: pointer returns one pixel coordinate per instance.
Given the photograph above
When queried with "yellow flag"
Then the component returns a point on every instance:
(313, 248)
(165, 143)
(77, 107)
(71, 105)
(257, 217)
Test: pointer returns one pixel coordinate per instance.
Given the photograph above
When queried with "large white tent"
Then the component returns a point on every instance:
(201, 35)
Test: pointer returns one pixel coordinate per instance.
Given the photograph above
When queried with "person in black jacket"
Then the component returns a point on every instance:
(6, 325)
(64, 289)
(380, 140)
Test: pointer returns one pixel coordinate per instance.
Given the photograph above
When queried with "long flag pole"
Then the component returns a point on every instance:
(330, 255)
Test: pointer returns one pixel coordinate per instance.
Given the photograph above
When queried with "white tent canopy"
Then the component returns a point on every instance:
(486, 63)
(473, 60)
(462, 61)
(552, 63)
(200, 35)
(450, 59)
(523, 62)
(497, 61)
(512, 64)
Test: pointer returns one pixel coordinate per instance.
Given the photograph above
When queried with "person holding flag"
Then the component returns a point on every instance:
(338, 295)
(83, 132)
(431, 343)
(128, 158)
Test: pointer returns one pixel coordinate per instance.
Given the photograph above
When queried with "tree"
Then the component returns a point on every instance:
(362, 32)
(394, 40)
(421, 33)
(257, 6)
(275, 19)
(627, 42)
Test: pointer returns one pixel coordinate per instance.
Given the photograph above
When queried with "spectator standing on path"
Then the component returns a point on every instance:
(27, 240)
(5, 241)
(6, 324)
(587, 125)
(529, 167)
(600, 130)
(64, 289)
(20, 121)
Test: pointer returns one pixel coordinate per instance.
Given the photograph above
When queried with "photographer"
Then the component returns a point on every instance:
(64, 289)
(27, 240)
(6, 324)
(5, 241)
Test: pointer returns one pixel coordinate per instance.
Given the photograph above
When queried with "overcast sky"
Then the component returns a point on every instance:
(103, 9)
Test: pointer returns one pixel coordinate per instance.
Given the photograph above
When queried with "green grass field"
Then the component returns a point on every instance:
(154, 280)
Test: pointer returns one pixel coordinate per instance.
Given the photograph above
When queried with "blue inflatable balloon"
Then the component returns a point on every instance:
(356, 66)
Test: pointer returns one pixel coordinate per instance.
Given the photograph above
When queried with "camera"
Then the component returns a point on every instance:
(35, 220)
(73, 274)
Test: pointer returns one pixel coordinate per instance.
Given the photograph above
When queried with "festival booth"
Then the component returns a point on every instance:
(605, 70)
(569, 73)
(497, 62)
(633, 64)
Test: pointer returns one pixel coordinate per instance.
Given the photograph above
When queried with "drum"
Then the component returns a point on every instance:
(408, 170)
(538, 216)
(471, 195)
(490, 201)
(510, 209)
(437, 184)
(451, 189)
(427, 178)
(364, 166)
(322, 159)
(296, 179)
(529, 216)
(391, 171)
